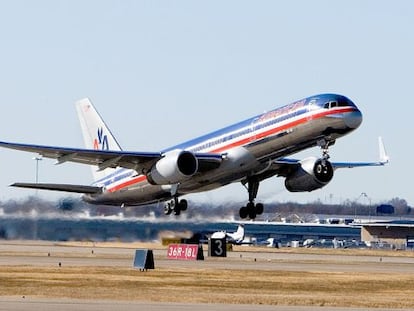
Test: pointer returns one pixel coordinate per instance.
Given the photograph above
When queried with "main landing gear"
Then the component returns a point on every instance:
(176, 206)
(251, 210)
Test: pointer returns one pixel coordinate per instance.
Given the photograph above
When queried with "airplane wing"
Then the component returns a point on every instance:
(60, 187)
(103, 159)
(284, 166)
(383, 159)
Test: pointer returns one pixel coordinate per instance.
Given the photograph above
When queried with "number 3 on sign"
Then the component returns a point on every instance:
(218, 248)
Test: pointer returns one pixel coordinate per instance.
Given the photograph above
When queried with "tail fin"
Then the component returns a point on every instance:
(238, 236)
(96, 134)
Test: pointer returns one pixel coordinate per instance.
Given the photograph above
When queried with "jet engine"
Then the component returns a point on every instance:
(174, 167)
(311, 174)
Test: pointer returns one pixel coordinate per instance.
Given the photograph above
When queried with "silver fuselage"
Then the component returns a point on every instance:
(247, 147)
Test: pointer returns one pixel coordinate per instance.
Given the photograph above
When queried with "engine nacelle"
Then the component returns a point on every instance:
(312, 174)
(176, 166)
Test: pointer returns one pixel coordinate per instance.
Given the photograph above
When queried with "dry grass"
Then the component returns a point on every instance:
(208, 286)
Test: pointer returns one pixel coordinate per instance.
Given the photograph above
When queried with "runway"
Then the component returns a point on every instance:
(7, 304)
(69, 254)
(49, 254)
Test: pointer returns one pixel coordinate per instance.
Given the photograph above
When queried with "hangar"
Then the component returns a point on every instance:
(398, 234)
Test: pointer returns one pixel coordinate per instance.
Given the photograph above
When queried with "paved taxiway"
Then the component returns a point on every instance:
(7, 304)
(33, 253)
(50, 253)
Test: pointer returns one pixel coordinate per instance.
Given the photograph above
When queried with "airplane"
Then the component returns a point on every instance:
(232, 238)
(248, 152)
(269, 242)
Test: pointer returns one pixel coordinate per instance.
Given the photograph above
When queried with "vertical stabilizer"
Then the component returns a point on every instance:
(237, 236)
(96, 134)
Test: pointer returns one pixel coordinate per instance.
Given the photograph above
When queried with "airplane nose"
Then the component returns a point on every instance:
(353, 119)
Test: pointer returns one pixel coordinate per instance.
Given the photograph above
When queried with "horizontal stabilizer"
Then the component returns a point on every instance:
(60, 187)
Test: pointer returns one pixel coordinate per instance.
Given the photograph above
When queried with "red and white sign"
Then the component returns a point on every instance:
(182, 251)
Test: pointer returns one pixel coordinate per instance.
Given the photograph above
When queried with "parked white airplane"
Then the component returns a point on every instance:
(231, 237)
(249, 151)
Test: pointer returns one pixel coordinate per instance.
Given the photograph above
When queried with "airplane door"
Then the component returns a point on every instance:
(311, 106)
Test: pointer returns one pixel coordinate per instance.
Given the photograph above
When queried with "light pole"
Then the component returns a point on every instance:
(37, 159)
(369, 207)
(356, 202)
(363, 194)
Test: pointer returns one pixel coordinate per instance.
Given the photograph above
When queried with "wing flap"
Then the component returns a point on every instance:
(60, 187)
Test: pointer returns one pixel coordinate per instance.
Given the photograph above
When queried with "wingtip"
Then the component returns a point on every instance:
(384, 158)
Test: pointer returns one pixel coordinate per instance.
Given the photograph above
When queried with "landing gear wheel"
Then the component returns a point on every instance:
(175, 206)
(259, 208)
(252, 214)
(167, 208)
(251, 210)
(183, 205)
(243, 213)
(177, 210)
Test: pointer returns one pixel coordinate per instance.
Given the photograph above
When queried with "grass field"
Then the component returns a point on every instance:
(220, 286)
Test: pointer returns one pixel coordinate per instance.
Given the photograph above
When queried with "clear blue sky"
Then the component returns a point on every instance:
(161, 72)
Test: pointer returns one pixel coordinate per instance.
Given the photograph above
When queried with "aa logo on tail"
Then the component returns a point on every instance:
(101, 142)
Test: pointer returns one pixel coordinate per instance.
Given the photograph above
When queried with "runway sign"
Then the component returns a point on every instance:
(185, 252)
(144, 259)
(217, 247)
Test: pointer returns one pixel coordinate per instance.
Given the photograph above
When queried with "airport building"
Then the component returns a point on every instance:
(397, 234)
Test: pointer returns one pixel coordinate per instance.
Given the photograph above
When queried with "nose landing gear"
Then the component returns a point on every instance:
(324, 145)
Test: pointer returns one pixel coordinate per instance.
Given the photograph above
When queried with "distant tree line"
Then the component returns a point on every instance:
(34, 206)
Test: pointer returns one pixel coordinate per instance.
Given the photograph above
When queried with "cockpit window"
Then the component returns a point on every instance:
(331, 104)
(330, 101)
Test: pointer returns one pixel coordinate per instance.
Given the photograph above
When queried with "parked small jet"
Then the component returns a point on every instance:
(248, 152)
(269, 242)
(233, 237)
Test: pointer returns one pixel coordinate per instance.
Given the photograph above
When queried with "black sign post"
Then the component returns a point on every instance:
(144, 259)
